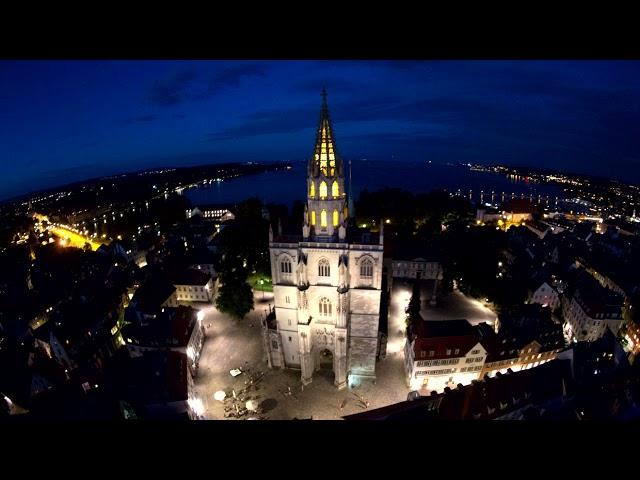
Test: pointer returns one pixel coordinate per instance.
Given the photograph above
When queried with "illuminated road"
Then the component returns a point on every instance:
(69, 237)
(73, 239)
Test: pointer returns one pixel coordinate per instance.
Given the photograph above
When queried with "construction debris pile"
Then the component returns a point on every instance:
(244, 403)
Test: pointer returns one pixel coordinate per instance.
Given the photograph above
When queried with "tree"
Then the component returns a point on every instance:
(235, 299)
(415, 304)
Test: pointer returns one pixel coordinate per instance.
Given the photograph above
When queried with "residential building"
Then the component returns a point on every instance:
(591, 309)
(441, 354)
(214, 213)
(507, 396)
(194, 285)
(546, 295)
(150, 297)
(418, 267)
(178, 329)
(158, 385)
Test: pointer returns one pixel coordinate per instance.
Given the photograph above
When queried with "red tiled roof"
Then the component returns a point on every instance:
(440, 336)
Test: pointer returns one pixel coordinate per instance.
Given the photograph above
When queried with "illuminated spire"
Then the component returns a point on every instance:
(325, 160)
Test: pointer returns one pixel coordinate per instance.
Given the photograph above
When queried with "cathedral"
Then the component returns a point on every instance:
(327, 281)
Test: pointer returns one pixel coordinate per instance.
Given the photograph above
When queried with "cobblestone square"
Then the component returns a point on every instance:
(233, 344)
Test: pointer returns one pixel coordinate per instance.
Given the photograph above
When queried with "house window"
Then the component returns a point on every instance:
(336, 218)
(324, 307)
(335, 190)
(312, 190)
(366, 268)
(448, 351)
(313, 218)
(456, 351)
(323, 268)
(432, 353)
(274, 344)
(287, 299)
(289, 338)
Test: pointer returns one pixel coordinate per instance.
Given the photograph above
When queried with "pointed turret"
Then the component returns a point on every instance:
(325, 160)
(326, 197)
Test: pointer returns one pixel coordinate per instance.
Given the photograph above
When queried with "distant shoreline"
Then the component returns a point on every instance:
(203, 168)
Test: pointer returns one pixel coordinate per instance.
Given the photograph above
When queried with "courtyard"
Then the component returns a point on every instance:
(232, 344)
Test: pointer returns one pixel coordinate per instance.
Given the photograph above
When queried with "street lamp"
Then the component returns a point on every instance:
(262, 287)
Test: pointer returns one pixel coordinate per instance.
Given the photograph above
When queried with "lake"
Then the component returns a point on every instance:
(287, 186)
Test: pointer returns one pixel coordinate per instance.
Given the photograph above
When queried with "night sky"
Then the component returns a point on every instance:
(62, 121)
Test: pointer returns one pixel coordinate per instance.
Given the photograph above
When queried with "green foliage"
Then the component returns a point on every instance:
(170, 211)
(255, 280)
(413, 216)
(413, 310)
(246, 240)
(473, 255)
(235, 299)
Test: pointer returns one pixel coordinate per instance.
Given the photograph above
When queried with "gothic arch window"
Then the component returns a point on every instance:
(323, 268)
(335, 189)
(313, 218)
(366, 269)
(323, 218)
(336, 218)
(323, 189)
(285, 266)
(324, 307)
(312, 189)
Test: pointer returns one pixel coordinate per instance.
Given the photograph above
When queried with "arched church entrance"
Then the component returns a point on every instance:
(326, 360)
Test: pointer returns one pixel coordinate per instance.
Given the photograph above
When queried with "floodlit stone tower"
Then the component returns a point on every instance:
(327, 282)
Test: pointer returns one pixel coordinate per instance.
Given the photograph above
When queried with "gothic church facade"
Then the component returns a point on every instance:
(327, 281)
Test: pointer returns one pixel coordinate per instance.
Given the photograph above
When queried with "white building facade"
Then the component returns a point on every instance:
(326, 283)
(546, 295)
(461, 366)
(194, 286)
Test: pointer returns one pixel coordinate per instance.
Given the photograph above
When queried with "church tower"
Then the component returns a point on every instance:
(325, 218)
(326, 282)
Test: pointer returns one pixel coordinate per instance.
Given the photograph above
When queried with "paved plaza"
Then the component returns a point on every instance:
(233, 344)
(454, 306)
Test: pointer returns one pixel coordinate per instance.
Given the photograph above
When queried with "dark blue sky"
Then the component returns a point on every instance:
(62, 121)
